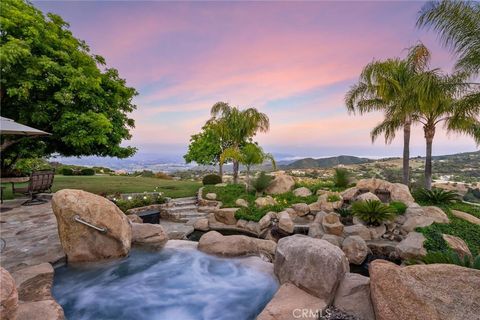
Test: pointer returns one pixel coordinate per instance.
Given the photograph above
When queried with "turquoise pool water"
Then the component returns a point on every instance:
(173, 284)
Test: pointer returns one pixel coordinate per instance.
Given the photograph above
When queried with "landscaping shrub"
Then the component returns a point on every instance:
(451, 257)
(253, 213)
(229, 194)
(436, 196)
(344, 212)
(163, 175)
(87, 172)
(333, 198)
(67, 171)
(469, 232)
(139, 201)
(261, 183)
(24, 167)
(289, 198)
(341, 178)
(373, 212)
(398, 207)
(210, 179)
(472, 195)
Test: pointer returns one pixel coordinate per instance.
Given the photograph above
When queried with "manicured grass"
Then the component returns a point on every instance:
(104, 184)
(465, 230)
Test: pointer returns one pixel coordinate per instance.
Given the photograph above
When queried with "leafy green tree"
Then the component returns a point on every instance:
(438, 104)
(458, 24)
(388, 86)
(249, 155)
(51, 81)
(206, 147)
(237, 126)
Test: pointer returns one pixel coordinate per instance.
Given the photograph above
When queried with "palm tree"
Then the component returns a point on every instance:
(249, 155)
(237, 126)
(438, 103)
(458, 23)
(387, 86)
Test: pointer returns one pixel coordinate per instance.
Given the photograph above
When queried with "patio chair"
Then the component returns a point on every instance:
(40, 181)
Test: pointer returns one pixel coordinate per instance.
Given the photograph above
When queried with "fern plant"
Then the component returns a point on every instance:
(344, 212)
(373, 212)
(436, 196)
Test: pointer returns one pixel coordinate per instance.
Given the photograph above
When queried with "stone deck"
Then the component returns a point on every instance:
(30, 235)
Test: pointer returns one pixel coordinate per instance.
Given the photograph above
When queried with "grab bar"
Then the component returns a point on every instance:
(77, 218)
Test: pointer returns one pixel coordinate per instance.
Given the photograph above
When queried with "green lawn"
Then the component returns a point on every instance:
(122, 184)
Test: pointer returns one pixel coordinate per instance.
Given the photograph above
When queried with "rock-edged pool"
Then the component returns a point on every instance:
(178, 282)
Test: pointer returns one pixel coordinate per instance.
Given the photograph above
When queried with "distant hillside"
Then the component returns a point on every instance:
(326, 162)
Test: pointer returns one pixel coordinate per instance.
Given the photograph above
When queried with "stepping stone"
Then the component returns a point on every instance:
(466, 216)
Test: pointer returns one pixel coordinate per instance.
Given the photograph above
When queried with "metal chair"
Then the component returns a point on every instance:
(39, 182)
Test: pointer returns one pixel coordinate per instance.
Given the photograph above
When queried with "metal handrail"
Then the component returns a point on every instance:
(78, 219)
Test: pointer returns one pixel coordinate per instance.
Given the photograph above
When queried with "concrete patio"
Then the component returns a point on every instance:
(29, 235)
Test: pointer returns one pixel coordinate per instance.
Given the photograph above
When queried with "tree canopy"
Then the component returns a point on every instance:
(51, 81)
(205, 147)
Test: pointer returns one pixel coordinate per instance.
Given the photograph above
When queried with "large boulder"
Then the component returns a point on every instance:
(202, 224)
(285, 222)
(332, 225)
(301, 209)
(226, 215)
(265, 201)
(313, 265)
(302, 192)
(289, 302)
(150, 235)
(40, 310)
(350, 194)
(280, 184)
(214, 242)
(358, 230)
(427, 292)
(367, 196)
(333, 239)
(457, 245)
(398, 191)
(423, 217)
(83, 243)
(412, 246)
(34, 283)
(353, 296)
(8, 296)
(355, 248)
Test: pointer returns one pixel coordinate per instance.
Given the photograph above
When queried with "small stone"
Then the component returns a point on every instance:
(332, 225)
(285, 223)
(265, 201)
(241, 203)
(301, 209)
(226, 215)
(302, 192)
(211, 196)
(265, 221)
(201, 224)
(367, 196)
(355, 249)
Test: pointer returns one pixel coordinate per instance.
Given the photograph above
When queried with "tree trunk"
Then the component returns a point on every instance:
(220, 170)
(235, 171)
(406, 152)
(248, 178)
(429, 134)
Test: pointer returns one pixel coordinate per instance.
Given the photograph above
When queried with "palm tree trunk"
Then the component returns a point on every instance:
(248, 178)
(429, 134)
(235, 171)
(406, 152)
(220, 170)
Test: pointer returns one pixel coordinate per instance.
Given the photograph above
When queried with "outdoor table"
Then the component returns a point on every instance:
(12, 180)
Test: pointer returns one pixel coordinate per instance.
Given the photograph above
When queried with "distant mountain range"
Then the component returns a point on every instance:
(326, 162)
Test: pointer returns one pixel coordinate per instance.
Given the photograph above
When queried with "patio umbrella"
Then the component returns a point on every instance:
(8, 126)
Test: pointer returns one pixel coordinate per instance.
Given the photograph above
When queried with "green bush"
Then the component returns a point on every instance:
(451, 257)
(87, 172)
(344, 212)
(398, 207)
(341, 178)
(211, 179)
(253, 213)
(25, 167)
(229, 194)
(67, 171)
(139, 201)
(436, 196)
(333, 198)
(373, 212)
(465, 230)
(261, 183)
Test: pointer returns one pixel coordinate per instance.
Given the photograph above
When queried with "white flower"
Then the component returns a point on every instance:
(129, 198)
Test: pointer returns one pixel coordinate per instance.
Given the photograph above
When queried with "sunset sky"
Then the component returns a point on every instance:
(294, 61)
